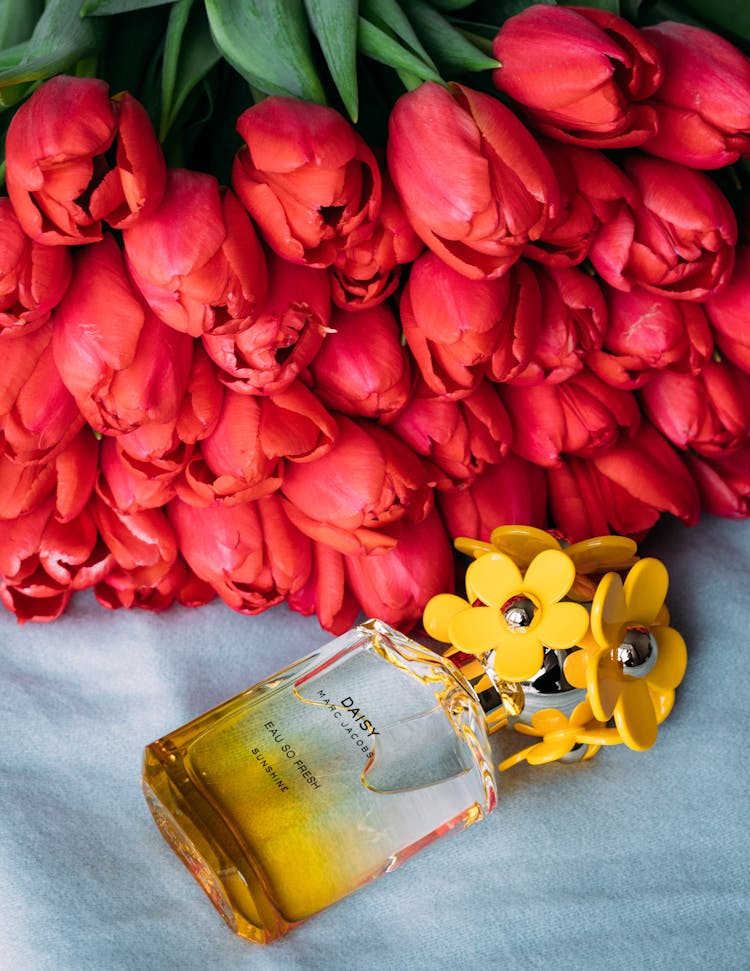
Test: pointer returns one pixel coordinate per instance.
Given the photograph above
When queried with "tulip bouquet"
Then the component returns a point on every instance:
(269, 353)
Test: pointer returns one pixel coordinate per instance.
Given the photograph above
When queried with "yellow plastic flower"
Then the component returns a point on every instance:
(591, 556)
(632, 661)
(519, 614)
(559, 735)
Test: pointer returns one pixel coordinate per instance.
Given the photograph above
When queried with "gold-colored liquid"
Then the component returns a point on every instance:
(302, 789)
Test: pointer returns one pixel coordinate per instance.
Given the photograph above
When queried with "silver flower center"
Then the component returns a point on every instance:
(637, 652)
(518, 612)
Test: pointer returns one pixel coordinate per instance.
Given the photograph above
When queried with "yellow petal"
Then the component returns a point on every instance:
(663, 703)
(635, 716)
(476, 630)
(493, 579)
(518, 656)
(550, 749)
(608, 611)
(574, 668)
(645, 589)
(473, 547)
(604, 680)
(562, 625)
(550, 575)
(514, 759)
(522, 543)
(549, 720)
(670, 665)
(601, 553)
(438, 613)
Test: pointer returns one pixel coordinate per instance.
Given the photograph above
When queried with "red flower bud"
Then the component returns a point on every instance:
(367, 480)
(703, 104)
(708, 411)
(60, 178)
(326, 592)
(511, 491)
(123, 366)
(459, 438)
(573, 318)
(34, 276)
(647, 332)
(580, 75)
(269, 355)
(452, 325)
(577, 417)
(121, 588)
(362, 368)
(250, 553)
(197, 260)
(729, 311)
(305, 176)
(396, 585)
(142, 543)
(678, 241)
(723, 481)
(368, 267)
(473, 182)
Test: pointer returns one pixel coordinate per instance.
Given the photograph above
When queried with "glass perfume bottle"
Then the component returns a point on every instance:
(321, 778)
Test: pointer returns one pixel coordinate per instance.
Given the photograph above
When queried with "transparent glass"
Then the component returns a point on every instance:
(319, 779)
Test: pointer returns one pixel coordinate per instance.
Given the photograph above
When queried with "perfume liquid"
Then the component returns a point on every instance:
(321, 778)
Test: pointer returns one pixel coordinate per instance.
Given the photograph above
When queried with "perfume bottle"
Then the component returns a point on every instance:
(321, 778)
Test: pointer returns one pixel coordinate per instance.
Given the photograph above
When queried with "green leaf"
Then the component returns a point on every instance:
(105, 8)
(451, 50)
(375, 43)
(451, 4)
(388, 16)
(189, 54)
(60, 38)
(613, 6)
(335, 26)
(268, 43)
(17, 19)
(726, 16)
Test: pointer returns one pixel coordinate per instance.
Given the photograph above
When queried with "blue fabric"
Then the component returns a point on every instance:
(627, 861)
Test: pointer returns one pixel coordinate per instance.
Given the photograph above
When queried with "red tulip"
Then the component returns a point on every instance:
(723, 481)
(708, 412)
(367, 480)
(647, 332)
(250, 553)
(703, 104)
(67, 477)
(362, 368)
(34, 276)
(459, 438)
(396, 585)
(285, 336)
(511, 491)
(123, 366)
(62, 177)
(131, 483)
(729, 311)
(326, 591)
(580, 75)
(624, 490)
(122, 588)
(38, 415)
(473, 182)
(142, 543)
(197, 260)
(305, 176)
(679, 241)
(573, 319)
(368, 267)
(521, 324)
(579, 416)
(452, 325)
(43, 561)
